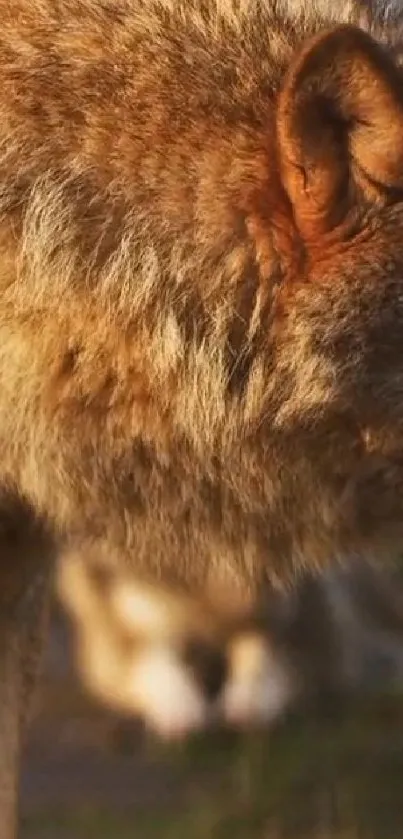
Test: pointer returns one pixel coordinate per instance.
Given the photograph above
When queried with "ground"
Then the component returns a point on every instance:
(332, 775)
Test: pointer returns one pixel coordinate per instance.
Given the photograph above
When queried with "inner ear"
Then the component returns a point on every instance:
(340, 112)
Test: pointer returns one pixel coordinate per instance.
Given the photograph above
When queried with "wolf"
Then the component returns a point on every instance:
(201, 303)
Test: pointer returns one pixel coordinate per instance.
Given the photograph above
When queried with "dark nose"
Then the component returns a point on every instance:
(208, 664)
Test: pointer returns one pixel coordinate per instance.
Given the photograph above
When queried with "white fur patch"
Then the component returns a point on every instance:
(259, 688)
(166, 694)
(142, 609)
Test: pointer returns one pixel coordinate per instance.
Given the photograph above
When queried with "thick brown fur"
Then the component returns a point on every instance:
(181, 373)
(201, 251)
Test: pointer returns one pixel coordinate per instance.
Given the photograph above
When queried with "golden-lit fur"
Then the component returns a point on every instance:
(223, 667)
(167, 373)
(335, 633)
(201, 308)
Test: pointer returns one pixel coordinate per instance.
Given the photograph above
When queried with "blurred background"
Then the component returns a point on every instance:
(332, 768)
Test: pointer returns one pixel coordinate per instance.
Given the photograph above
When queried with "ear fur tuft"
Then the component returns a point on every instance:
(340, 113)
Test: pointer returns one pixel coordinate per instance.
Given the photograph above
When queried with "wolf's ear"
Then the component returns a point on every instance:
(339, 121)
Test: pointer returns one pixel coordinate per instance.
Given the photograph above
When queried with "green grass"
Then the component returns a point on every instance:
(314, 778)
